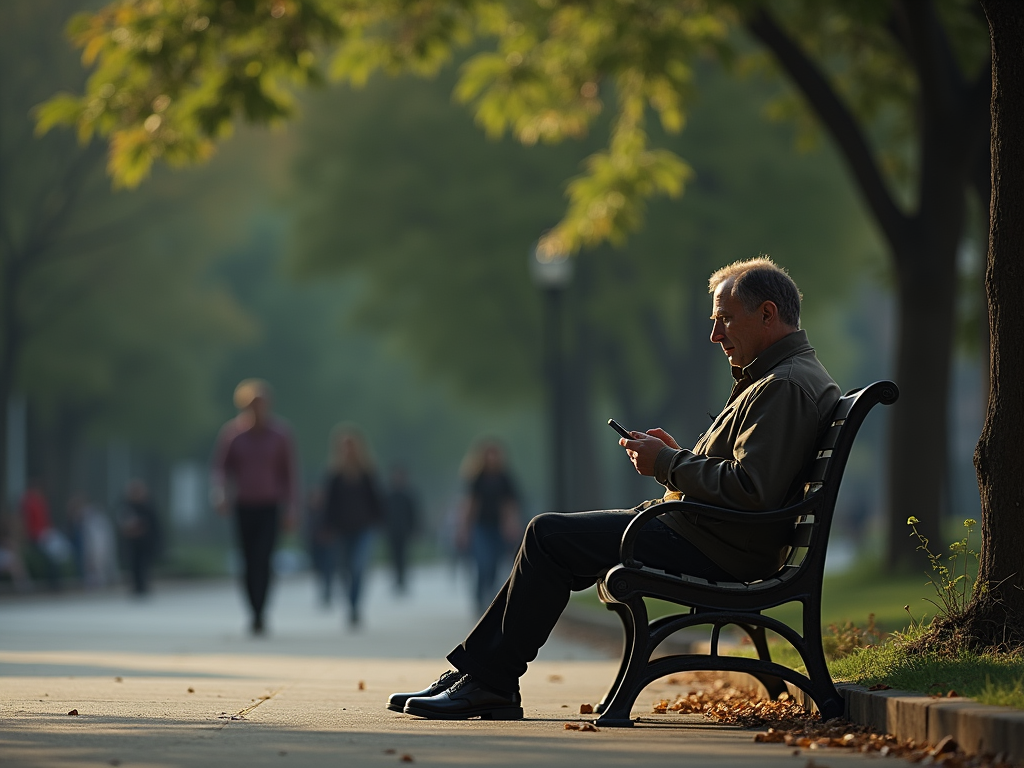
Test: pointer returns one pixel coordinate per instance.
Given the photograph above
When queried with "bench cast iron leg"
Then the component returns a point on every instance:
(627, 644)
(830, 702)
(616, 712)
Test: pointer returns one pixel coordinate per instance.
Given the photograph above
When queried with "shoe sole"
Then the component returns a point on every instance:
(501, 713)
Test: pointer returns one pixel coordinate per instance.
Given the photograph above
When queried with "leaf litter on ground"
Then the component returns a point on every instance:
(787, 722)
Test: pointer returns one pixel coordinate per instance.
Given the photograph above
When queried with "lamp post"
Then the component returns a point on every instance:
(552, 272)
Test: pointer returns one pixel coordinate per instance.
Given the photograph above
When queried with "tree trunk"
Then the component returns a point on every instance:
(918, 433)
(925, 260)
(998, 459)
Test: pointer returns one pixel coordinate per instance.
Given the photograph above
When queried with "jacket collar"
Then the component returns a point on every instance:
(793, 344)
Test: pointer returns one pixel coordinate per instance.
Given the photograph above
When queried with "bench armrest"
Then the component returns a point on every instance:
(805, 507)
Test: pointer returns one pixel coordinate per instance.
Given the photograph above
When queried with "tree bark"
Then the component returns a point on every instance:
(998, 459)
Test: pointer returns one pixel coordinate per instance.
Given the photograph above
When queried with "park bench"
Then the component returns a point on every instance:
(740, 604)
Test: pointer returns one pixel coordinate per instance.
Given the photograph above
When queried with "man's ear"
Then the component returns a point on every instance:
(769, 313)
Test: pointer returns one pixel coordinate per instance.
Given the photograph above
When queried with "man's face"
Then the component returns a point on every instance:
(742, 334)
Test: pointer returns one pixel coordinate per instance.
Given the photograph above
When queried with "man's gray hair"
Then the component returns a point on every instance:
(756, 281)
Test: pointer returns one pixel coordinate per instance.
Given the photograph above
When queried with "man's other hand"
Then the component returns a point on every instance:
(644, 448)
(665, 437)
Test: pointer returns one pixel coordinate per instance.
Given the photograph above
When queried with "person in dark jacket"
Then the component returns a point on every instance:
(352, 508)
(490, 515)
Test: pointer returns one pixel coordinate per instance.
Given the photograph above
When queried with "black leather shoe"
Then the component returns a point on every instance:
(466, 699)
(396, 702)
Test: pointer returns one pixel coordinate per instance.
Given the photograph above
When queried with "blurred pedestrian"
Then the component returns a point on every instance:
(403, 523)
(11, 562)
(254, 475)
(140, 530)
(490, 515)
(48, 545)
(94, 541)
(352, 509)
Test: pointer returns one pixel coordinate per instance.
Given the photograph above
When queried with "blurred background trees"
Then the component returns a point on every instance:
(370, 260)
(108, 329)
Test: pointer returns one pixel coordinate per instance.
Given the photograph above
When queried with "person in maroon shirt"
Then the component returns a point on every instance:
(254, 474)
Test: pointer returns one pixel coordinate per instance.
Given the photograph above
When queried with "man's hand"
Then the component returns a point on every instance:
(644, 448)
(665, 437)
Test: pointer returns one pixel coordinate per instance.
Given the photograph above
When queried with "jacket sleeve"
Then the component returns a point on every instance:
(774, 434)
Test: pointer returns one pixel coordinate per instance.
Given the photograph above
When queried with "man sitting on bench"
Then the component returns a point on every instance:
(753, 457)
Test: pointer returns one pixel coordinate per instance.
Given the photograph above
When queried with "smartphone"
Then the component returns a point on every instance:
(620, 429)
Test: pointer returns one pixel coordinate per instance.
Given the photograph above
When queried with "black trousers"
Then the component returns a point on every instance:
(257, 532)
(561, 553)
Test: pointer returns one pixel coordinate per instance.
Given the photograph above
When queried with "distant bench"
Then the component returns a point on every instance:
(722, 603)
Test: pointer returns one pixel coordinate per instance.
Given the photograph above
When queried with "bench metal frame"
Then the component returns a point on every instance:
(720, 604)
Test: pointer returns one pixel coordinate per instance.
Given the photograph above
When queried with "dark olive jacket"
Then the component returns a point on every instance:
(755, 457)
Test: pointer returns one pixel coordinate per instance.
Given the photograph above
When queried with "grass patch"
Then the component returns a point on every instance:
(989, 678)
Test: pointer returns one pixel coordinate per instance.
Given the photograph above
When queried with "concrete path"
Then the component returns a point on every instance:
(175, 681)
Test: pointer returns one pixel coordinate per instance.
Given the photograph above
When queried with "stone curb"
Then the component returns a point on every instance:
(977, 728)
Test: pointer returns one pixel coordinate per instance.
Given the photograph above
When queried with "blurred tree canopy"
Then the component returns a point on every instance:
(901, 87)
(436, 222)
(106, 324)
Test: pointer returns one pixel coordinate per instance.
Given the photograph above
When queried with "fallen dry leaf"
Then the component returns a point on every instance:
(73, 712)
(952, 695)
(191, 689)
(586, 709)
(581, 727)
(787, 723)
(362, 686)
(406, 759)
(554, 678)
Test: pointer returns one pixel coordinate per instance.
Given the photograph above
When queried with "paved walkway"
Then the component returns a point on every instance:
(174, 681)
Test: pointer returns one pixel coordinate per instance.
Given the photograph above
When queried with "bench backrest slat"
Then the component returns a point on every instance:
(826, 472)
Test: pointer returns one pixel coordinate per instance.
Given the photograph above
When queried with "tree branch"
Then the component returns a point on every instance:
(838, 119)
(927, 46)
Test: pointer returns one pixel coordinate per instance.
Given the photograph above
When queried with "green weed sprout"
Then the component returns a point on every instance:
(952, 584)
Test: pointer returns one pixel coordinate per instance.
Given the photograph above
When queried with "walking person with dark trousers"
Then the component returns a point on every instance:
(255, 476)
(140, 532)
(352, 509)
